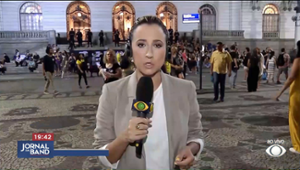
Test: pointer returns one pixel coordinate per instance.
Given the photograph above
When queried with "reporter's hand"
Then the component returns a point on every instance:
(137, 129)
(185, 159)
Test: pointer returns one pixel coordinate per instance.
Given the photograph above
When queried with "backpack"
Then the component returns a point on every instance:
(280, 60)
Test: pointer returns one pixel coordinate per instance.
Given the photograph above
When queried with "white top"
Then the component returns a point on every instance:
(157, 144)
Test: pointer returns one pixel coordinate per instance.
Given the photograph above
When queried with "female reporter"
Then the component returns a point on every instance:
(174, 133)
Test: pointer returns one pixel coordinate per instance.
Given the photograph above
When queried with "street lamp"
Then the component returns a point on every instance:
(296, 19)
(201, 45)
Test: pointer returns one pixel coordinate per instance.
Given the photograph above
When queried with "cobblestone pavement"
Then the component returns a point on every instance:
(236, 131)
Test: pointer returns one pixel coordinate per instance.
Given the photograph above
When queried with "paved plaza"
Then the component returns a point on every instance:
(236, 131)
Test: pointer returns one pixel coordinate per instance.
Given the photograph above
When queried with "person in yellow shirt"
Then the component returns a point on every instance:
(220, 62)
(82, 68)
(168, 67)
(119, 58)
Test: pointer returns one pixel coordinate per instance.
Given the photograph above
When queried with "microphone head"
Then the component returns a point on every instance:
(144, 90)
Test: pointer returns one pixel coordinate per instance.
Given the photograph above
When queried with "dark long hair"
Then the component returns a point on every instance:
(254, 53)
(298, 50)
(272, 55)
(164, 69)
(254, 58)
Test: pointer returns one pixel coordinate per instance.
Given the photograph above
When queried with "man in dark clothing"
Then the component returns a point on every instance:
(48, 70)
(71, 39)
(90, 38)
(101, 38)
(6, 58)
(176, 36)
(247, 56)
(79, 38)
(171, 35)
(235, 65)
(117, 38)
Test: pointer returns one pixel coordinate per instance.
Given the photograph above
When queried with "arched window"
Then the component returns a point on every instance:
(123, 17)
(31, 17)
(270, 18)
(208, 17)
(78, 18)
(167, 12)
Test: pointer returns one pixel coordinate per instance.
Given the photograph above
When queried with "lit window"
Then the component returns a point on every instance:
(31, 17)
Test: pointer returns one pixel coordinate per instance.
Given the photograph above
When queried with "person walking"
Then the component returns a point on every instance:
(253, 74)
(101, 38)
(271, 65)
(220, 61)
(247, 55)
(293, 82)
(235, 65)
(65, 64)
(82, 68)
(48, 70)
(283, 65)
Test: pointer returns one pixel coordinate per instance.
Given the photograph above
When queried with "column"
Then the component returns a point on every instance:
(230, 16)
(297, 24)
(235, 8)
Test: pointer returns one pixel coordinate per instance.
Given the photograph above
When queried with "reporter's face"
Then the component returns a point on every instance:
(149, 49)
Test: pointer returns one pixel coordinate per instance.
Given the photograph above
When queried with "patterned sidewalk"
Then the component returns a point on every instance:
(236, 131)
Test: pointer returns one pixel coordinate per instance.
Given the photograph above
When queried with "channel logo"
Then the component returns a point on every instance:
(275, 150)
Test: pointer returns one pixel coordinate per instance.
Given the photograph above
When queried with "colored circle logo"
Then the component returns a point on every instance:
(141, 106)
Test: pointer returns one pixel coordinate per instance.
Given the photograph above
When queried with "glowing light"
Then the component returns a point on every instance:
(161, 15)
(121, 13)
(79, 14)
(117, 7)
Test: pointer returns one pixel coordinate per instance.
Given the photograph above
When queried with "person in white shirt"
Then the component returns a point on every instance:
(174, 132)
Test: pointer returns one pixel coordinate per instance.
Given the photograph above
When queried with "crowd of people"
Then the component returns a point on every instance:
(108, 65)
(183, 57)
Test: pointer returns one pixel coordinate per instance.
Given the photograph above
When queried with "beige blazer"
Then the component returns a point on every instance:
(182, 114)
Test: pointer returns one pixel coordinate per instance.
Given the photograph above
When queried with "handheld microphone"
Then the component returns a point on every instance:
(143, 106)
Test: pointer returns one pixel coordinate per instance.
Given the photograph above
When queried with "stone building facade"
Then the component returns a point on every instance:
(229, 15)
(248, 23)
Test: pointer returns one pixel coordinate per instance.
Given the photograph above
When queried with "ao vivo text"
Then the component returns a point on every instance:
(42, 146)
(275, 141)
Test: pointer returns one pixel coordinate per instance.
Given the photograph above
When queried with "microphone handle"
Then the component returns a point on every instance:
(176, 167)
(139, 148)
